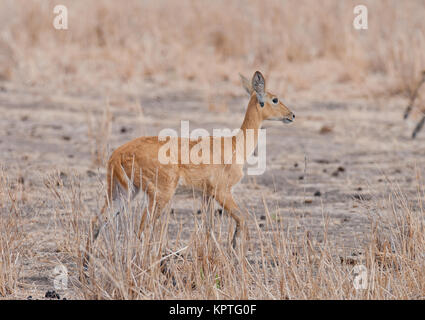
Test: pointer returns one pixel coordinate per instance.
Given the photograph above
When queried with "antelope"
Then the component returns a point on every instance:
(409, 108)
(160, 181)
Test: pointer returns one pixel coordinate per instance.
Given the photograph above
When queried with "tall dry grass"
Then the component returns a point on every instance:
(11, 233)
(110, 44)
(280, 260)
(98, 132)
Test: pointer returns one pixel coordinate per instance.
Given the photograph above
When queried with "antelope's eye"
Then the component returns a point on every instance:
(275, 100)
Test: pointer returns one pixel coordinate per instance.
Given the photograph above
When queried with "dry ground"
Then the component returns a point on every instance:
(332, 163)
(345, 178)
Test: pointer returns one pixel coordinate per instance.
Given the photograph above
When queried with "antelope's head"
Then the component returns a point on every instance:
(268, 104)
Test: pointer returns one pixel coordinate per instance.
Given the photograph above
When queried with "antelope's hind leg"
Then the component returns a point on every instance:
(157, 202)
(116, 199)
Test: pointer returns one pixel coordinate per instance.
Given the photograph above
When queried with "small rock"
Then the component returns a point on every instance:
(363, 197)
(337, 171)
(90, 173)
(325, 130)
(199, 211)
(263, 217)
(317, 193)
(301, 178)
(296, 164)
(322, 161)
(66, 138)
(123, 130)
(52, 294)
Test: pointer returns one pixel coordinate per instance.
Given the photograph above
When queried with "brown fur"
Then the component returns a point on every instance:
(409, 108)
(137, 161)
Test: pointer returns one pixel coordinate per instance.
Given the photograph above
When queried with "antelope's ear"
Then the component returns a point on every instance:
(246, 84)
(259, 85)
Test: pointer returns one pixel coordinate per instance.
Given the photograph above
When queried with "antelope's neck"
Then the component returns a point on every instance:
(250, 128)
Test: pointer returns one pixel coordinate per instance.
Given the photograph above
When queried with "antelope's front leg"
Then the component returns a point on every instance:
(225, 199)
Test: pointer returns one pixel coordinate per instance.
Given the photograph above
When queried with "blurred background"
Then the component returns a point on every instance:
(299, 45)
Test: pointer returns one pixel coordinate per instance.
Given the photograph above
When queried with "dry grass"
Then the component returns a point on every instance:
(280, 261)
(396, 253)
(11, 235)
(114, 45)
(99, 130)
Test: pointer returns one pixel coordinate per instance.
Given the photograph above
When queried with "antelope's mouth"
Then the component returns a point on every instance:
(289, 119)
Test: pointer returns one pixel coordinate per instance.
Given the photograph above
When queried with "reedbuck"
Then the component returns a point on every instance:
(413, 97)
(135, 165)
